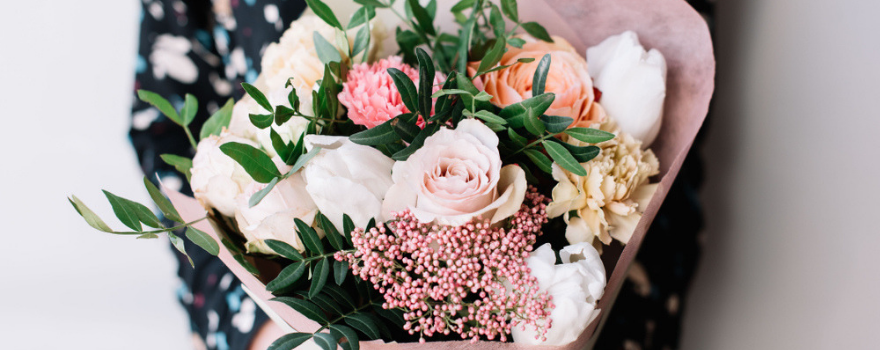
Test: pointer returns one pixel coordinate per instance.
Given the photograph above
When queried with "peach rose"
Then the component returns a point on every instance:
(568, 79)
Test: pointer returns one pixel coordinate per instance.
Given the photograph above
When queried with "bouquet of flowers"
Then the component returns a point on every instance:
(472, 185)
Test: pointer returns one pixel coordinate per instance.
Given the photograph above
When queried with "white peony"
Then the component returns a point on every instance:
(347, 178)
(217, 179)
(633, 84)
(576, 286)
(457, 176)
(273, 217)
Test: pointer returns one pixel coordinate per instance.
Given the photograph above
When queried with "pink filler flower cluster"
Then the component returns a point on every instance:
(469, 279)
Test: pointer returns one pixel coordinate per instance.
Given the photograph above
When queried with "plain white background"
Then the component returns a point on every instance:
(792, 192)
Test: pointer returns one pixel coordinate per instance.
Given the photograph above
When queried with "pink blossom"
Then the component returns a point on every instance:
(370, 95)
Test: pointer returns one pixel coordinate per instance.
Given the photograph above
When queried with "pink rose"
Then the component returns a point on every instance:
(455, 177)
(370, 95)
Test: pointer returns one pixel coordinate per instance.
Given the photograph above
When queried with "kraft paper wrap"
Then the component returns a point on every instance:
(670, 26)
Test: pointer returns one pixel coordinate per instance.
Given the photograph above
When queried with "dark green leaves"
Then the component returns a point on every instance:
(217, 121)
(326, 51)
(257, 163)
(91, 218)
(203, 240)
(325, 341)
(130, 213)
(319, 277)
(380, 134)
(493, 56)
(262, 121)
(533, 124)
(562, 157)
(190, 107)
(161, 104)
(305, 307)
(517, 113)
(290, 341)
(323, 11)
(339, 331)
(340, 271)
(284, 249)
(583, 154)
(426, 81)
(406, 88)
(364, 324)
(422, 16)
(309, 237)
(589, 135)
(331, 232)
(462, 5)
(536, 30)
(543, 163)
(163, 203)
(540, 77)
(257, 96)
(556, 124)
(508, 7)
(287, 277)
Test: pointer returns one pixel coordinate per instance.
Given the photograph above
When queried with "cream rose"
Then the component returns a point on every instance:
(567, 78)
(457, 176)
(217, 179)
(576, 286)
(633, 84)
(273, 217)
(609, 201)
(347, 178)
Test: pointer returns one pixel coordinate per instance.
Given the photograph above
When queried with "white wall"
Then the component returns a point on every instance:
(791, 258)
(67, 72)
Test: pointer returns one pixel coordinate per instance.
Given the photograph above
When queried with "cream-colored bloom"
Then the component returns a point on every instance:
(633, 84)
(609, 201)
(273, 217)
(217, 179)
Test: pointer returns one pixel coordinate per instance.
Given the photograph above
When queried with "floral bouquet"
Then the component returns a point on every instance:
(474, 183)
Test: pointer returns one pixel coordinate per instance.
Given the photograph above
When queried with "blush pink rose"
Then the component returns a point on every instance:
(369, 93)
(455, 177)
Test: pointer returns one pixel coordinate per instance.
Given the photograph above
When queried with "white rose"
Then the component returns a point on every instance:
(457, 176)
(217, 179)
(347, 178)
(576, 285)
(633, 84)
(273, 217)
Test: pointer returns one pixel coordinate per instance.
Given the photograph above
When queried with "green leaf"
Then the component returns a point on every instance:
(259, 195)
(510, 10)
(323, 11)
(340, 271)
(361, 41)
(517, 138)
(532, 107)
(543, 163)
(204, 240)
(556, 124)
(182, 164)
(361, 16)
(290, 341)
(380, 134)
(407, 131)
(395, 316)
(284, 249)
(244, 262)
(497, 22)
(340, 332)
(562, 157)
(406, 88)
(287, 277)
(364, 324)
(445, 92)
(333, 236)
(372, 3)
(161, 104)
(533, 124)
(490, 117)
(262, 121)
(540, 77)
(162, 202)
(325, 341)
(125, 213)
(258, 96)
(148, 235)
(326, 51)
(305, 307)
(422, 16)
(583, 154)
(431, 8)
(426, 82)
(416, 143)
(516, 42)
(303, 160)
(91, 218)
(589, 135)
(254, 161)
(536, 30)
(464, 45)
(339, 295)
(179, 245)
(309, 237)
(493, 56)
(462, 5)
(283, 114)
(283, 149)
(190, 108)
(220, 119)
(327, 303)
(347, 227)
(319, 277)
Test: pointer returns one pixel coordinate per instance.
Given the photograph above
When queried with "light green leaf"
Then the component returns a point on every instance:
(161, 104)
(148, 235)
(493, 56)
(290, 341)
(532, 107)
(516, 42)
(372, 3)
(309, 237)
(445, 92)
(288, 276)
(204, 240)
(536, 30)
(182, 164)
(540, 77)
(254, 161)
(178, 244)
(259, 195)
(489, 117)
(510, 10)
(319, 277)
(323, 11)
(589, 135)
(258, 96)
(91, 218)
(483, 96)
(190, 108)
(462, 5)
(303, 159)
(562, 157)
(361, 16)
(220, 119)
(361, 40)
(326, 51)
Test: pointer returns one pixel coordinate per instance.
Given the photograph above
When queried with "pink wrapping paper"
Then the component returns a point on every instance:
(670, 26)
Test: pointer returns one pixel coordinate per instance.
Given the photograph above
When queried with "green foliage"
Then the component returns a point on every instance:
(540, 77)
(323, 11)
(217, 121)
(536, 30)
(563, 157)
(203, 240)
(181, 164)
(258, 96)
(326, 51)
(589, 135)
(290, 341)
(255, 162)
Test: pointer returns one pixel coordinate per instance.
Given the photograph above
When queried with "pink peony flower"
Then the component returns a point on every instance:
(370, 95)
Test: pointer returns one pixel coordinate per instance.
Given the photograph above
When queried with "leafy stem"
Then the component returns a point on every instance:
(168, 229)
(530, 145)
(343, 316)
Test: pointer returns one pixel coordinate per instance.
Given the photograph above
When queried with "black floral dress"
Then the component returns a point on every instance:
(208, 47)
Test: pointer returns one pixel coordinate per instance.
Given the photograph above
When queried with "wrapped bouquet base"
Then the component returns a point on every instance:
(670, 26)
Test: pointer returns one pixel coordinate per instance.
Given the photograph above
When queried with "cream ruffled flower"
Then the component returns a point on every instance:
(609, 201)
